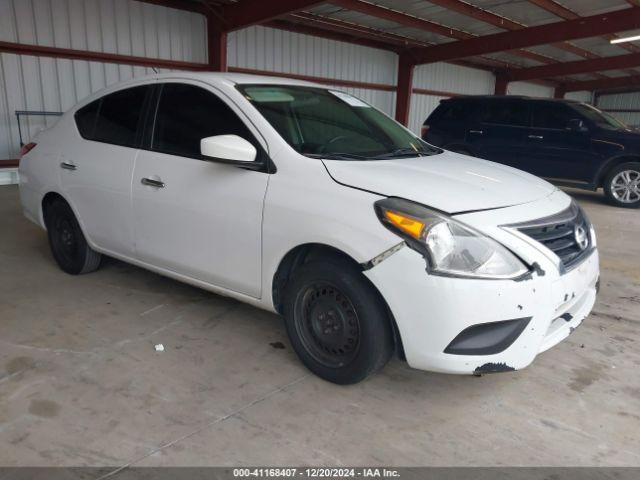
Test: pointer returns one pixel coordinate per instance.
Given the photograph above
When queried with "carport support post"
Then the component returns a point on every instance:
(502, 82)
(404, 88)
(216, 45)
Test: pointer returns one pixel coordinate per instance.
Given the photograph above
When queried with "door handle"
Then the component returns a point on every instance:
(68, 166)
(536, 137)
(152, 183)
(478, 132)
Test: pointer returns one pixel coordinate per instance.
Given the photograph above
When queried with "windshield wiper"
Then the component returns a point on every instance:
(402, 152)
(337, 156)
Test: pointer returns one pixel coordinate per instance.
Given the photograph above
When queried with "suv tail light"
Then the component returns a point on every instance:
(27, 148)
(425, 129)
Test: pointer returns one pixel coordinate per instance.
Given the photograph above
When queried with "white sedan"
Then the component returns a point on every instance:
(307, 201)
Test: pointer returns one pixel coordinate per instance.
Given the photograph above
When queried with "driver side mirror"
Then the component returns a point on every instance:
(577, 125)
(230, 149)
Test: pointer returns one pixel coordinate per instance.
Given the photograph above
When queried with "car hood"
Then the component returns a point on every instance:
(449, 182)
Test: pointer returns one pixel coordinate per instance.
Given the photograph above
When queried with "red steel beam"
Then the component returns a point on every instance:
(405, 87)
(618, 62)
(216, 45)
(563, 12)
(435, 93)
(324, 80)
(349, 36)
(42, 51)
(331, 28)
(421, 24)
(607, 84)
(502, 82)
(335, 25)
(401, 18)
(585, 27)
(189, 6)
(499, 21)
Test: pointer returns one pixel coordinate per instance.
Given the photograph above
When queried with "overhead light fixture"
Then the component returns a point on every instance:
(624, 39)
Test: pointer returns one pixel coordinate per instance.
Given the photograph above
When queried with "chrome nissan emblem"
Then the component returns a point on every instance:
(582, 239)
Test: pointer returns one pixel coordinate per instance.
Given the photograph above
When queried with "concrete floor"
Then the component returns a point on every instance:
(81, 384)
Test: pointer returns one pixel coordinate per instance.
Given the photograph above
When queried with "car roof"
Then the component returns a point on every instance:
(509, 97)
(232, 77)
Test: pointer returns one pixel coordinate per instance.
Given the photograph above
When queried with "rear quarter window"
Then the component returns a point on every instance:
(119, 116)
(453, 111)
(86, 119)
(115, 118)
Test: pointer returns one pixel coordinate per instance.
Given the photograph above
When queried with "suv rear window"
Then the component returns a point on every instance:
(453, 111)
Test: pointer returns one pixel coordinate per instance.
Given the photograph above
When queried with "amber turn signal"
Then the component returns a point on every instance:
(406, 224)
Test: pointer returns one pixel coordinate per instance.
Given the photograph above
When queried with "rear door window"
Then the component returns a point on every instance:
(118, 119)
(514, 113)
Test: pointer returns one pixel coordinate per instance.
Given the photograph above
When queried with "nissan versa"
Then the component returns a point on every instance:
(309, 202)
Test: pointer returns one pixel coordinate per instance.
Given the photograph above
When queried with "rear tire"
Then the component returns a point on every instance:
(337, 322)
(622, 185)
(67, 242)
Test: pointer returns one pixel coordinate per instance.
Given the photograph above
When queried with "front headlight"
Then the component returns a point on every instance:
(450, 247)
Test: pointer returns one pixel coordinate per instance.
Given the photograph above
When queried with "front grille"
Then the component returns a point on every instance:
(562, 234)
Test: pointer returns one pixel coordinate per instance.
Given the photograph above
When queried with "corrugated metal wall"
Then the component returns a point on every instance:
(116, 26)
(134, 28)
(444, 77)
(580, 96)
(276, 50)
(529, 89)
(622, 101)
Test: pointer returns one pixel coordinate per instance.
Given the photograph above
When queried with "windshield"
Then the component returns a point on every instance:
(323, 123)
(600, 118)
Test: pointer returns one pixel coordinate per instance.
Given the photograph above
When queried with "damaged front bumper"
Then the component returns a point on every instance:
(468, 326)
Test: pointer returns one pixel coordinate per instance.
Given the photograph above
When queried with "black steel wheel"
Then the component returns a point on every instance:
(337, 322)
(328, 325)
(68, 244)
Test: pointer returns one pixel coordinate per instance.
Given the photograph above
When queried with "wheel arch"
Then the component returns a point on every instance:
(47, 201)
(52, 195)
(305, 253)
(612, 163)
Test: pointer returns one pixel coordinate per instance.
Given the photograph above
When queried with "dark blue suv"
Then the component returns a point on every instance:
(569, 143)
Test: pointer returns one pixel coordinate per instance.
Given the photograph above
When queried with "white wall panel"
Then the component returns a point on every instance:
(124, 27)
(444, 77)
(421, 108)
(629, 100)
(274, 50)
(529, 89)
(624, 101)
(586, 97)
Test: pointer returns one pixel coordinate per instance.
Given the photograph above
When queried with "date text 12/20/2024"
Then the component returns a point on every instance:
(315, 473)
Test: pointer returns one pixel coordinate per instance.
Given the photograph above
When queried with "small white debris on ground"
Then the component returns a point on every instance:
(159, 347)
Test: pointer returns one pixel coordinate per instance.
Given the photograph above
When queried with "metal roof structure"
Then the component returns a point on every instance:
(563, 43)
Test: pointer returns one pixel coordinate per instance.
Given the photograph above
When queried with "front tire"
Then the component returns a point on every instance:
(622, 185)
(68, 244)
(337, 322)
